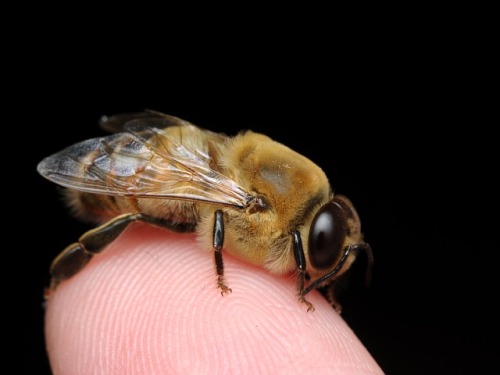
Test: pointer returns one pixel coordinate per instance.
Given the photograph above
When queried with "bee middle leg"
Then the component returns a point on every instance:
(77, 255)
(218, 241)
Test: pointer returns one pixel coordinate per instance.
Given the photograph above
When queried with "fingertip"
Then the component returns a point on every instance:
(149, 304)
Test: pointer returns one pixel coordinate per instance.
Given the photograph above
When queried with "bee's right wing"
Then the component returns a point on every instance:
(147, 160)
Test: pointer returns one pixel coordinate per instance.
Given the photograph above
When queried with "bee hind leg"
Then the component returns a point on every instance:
(218, 241)
(76, 256)
(68, 263)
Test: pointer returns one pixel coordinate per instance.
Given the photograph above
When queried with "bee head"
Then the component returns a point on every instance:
(335, 239)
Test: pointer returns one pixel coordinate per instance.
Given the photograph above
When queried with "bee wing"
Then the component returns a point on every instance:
(117, 123)
(147, 161)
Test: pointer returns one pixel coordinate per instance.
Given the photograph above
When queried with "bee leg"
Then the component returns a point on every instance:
(68, 263)
(300, 260)
(76, 256)
(218, 241)
(330, 297)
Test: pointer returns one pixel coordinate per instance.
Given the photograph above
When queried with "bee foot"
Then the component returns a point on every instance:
(337, 307)
(309, 305)
(224, 289)
(47, 292)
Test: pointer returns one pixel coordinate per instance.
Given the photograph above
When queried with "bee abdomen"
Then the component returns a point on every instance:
(97, 207)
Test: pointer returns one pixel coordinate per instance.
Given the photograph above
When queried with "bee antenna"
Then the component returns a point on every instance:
(361, 246)
(329, 275)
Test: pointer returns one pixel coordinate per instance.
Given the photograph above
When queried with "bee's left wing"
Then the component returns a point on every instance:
(147, 160)
(117, 123)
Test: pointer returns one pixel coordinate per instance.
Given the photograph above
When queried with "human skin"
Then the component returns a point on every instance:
(149, 304)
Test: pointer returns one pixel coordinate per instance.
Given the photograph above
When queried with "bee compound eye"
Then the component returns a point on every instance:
(327, 234)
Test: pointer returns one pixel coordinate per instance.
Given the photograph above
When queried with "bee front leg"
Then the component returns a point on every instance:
(300, 260)
(218, 241)
(76, 256)
(329, 294)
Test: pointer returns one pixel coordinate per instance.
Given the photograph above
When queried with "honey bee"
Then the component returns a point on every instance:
(246, 195)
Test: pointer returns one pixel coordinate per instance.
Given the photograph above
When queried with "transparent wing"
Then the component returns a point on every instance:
(148, 161)
(116, 123)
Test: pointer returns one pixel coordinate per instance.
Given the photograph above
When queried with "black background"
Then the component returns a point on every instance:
(407, 139)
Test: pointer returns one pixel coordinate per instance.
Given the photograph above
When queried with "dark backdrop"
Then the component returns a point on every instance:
(411, 146)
